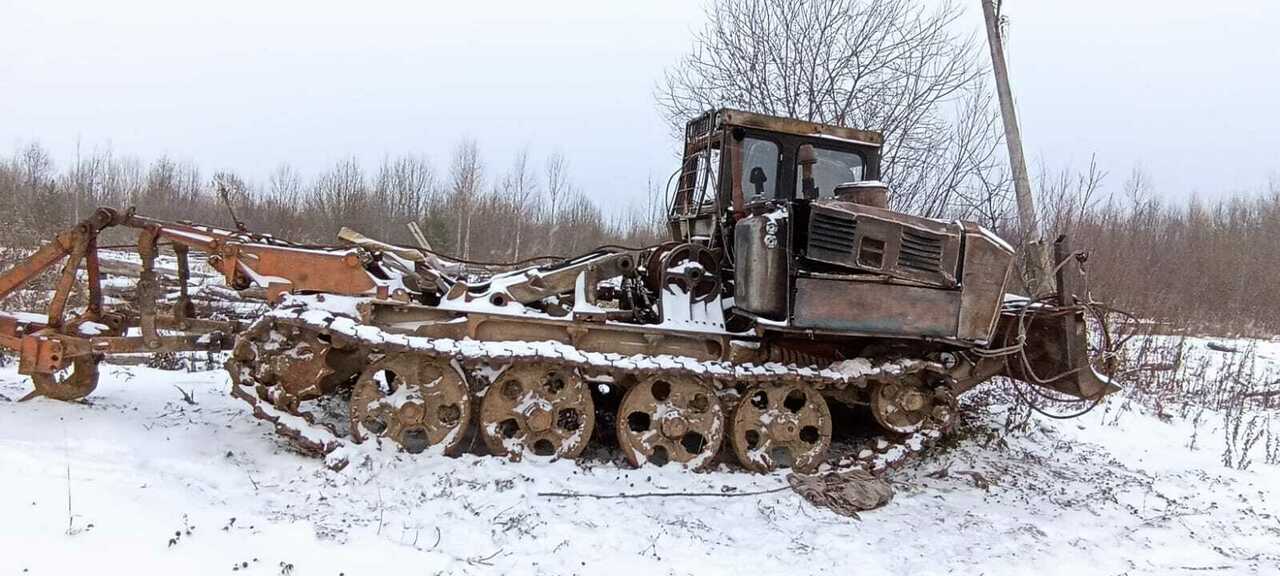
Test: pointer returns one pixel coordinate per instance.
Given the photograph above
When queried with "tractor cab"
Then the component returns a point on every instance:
(737, 163)
(807, 245)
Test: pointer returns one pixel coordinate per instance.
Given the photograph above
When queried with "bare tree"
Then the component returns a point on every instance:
(466, 179)
(36, 166)
(285, 184)
(557, 184)
(1066, 196)
(233, 193)
(277, 208)
(340, 197)
(405, 190)
(888, 65)
(520, 187)
(1137, 189)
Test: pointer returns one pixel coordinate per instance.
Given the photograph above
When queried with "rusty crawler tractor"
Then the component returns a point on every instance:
(787, 287)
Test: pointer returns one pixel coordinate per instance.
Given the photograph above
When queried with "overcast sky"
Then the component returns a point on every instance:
(1188, 90)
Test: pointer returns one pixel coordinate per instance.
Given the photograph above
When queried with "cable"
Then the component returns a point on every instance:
(599, 249)
(1045, 309)
(495, 264)
(1095, 402)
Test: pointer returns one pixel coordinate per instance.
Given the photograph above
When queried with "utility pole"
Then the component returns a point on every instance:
(1036, 255)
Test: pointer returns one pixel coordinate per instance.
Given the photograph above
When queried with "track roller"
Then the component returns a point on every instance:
(785, 426)
(415, 401)
(670, 419)
(537, 409)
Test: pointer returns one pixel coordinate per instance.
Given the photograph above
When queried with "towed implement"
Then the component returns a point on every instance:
(787, 294)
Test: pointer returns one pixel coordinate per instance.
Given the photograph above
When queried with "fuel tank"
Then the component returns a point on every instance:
(760, 265)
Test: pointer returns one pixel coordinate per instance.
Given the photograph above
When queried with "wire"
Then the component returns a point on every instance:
(1095, 402)
(497, 264)
(599, 249)
(1044, 308)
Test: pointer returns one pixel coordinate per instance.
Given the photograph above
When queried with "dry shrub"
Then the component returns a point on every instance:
(1196, 265)
(1179, 375)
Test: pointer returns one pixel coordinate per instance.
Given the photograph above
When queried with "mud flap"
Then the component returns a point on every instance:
(1056, 349)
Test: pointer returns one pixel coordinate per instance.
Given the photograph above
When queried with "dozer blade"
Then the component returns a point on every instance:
(1056, 347)
(1056, 356)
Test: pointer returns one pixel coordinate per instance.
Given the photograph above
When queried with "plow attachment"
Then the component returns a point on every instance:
(61, 349)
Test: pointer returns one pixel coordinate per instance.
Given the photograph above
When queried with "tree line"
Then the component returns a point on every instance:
(468, 210)
(1205, 266)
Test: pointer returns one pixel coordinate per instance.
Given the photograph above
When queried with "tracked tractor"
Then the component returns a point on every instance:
(788, 287)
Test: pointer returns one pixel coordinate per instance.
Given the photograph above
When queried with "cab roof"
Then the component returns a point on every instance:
(730, 117)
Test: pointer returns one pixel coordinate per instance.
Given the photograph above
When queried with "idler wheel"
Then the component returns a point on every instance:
(670, 419)
(902, 406)
(537, 410)
(787, 426)
(415, 401)
(288, 365)
(299, 365)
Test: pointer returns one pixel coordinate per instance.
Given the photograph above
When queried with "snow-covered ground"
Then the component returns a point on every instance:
(138, 481)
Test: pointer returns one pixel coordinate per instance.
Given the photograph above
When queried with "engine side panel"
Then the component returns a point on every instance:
(874, 240)
(874, 308)
(872, 272)
(988, 264)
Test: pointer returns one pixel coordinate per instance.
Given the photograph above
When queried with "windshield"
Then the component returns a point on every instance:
(834, 167)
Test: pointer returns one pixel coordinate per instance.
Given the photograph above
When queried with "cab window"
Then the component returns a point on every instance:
(759, 169)
(708, 177)
(834, 167)
(698, 181)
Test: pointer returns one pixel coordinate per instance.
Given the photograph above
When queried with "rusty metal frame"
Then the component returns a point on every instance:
(419, 320)
(280, 267)
(53, 343)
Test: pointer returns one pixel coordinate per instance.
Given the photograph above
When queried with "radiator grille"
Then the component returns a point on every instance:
(920, 251)
(831, 235)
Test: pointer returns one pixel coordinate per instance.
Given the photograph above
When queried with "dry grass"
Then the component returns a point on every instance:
(1197, 379)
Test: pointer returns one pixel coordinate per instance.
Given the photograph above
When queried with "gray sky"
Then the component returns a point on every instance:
(1186, 89)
